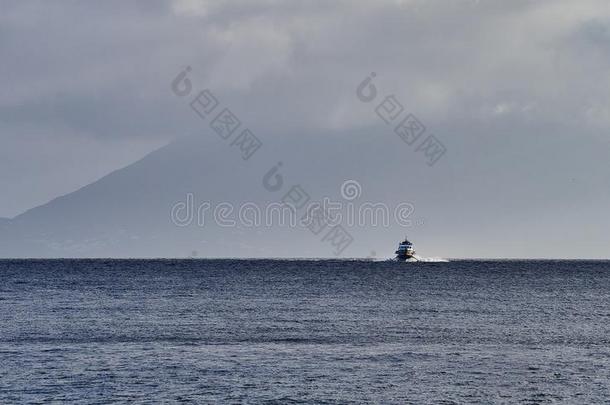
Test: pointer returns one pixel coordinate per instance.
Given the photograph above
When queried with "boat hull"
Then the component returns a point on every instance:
(406, 259)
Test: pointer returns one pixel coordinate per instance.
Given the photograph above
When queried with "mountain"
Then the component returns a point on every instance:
(464, 204)
(128, 212)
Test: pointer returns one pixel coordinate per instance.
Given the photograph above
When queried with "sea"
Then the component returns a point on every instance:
(304, 332)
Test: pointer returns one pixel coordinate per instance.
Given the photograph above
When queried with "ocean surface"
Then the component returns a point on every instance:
(315, 332)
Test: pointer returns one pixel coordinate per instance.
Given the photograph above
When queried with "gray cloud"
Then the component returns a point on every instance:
(101, 68)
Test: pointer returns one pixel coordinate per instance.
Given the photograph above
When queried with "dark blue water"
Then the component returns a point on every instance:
(305, 331)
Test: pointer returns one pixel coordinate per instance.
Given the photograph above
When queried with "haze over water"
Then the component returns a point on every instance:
(304, 331)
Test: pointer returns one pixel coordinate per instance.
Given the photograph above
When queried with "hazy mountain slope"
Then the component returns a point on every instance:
(459, 202)
(127, 213)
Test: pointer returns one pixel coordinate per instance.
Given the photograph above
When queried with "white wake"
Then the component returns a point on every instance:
(430, 259)
(416, 257)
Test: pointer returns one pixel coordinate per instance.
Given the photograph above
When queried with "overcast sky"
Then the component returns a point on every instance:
(86, 85)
